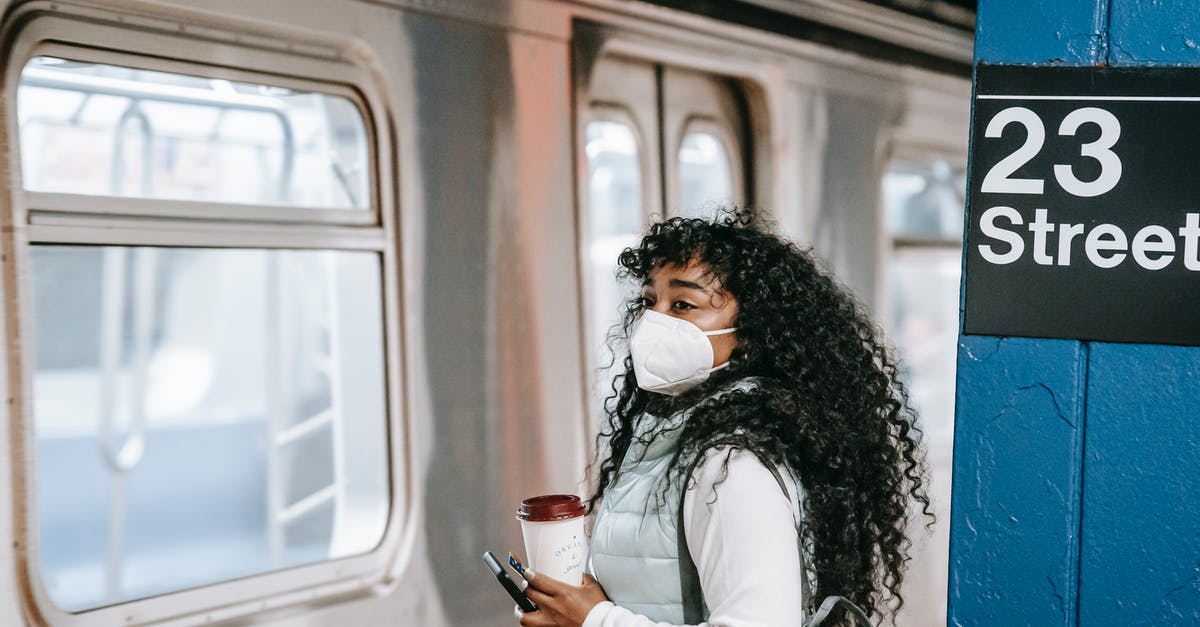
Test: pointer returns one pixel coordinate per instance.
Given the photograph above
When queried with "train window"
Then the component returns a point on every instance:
(705, 174)
(92, 128)
(703, 133)
(193, 409)
(205, 270)
(615, 221)
(923, 202)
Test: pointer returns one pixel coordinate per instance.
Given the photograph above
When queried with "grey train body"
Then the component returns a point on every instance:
(476, 116)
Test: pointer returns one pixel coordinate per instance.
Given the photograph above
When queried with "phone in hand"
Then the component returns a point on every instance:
(508, 584)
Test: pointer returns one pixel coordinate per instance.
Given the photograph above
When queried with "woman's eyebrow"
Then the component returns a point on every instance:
(687, 284)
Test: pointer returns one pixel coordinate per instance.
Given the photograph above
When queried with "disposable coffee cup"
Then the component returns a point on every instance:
(555, 544)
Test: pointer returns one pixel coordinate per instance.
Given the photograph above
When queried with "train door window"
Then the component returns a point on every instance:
(705, 174)
(620, 124)
(615, 216)
(704, 122)
(204, 279)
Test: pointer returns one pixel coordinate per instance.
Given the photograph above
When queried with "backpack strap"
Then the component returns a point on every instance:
(695, 610)
(830, 602)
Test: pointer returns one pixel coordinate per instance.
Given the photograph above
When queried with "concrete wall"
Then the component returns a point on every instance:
(1075, 501)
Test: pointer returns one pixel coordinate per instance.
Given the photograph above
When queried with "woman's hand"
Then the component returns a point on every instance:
(560, 604)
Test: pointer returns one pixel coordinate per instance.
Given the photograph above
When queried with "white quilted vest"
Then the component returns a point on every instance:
(634, 552)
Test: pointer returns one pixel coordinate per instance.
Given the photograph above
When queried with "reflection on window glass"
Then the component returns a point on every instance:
(924, 286)
(204, 414)
(615, 222)
(88, 128)
(925, 200)
(705, 176)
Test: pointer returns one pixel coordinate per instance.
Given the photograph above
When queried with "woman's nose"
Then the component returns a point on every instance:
(662, 308)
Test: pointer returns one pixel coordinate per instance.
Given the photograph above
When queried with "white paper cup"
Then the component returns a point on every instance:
(555, 544)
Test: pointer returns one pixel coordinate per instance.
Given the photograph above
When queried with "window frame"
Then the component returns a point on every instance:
(284, 58)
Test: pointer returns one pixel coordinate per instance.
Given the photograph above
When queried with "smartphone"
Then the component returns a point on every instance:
(509, 585)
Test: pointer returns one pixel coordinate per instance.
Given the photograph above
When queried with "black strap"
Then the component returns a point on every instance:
(695, 611)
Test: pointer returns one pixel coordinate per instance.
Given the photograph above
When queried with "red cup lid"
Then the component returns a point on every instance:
(551, 507)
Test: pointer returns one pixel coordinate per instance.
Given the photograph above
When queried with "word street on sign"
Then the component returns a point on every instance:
(1084, 205)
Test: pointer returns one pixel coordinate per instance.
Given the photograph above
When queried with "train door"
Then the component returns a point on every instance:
(659, 141)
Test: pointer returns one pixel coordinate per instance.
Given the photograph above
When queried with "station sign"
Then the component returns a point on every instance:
(1084, 204)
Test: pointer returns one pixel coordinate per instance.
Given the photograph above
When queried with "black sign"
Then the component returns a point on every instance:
(1084, 209)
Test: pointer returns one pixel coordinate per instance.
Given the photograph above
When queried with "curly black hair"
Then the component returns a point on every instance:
(828, 404)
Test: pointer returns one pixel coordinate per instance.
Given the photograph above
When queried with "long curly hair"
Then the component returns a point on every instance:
(828, 405)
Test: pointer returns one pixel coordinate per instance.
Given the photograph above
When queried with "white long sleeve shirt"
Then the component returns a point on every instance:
(741, 533)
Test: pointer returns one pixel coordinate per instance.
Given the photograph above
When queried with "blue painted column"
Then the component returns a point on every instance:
(1076, 496)
(1140, 549)
(1020, 410)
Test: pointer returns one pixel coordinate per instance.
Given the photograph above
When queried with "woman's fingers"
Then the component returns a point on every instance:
(567, 605)
(539, 598)
(543, 617)
(548, 585)
(537, 619)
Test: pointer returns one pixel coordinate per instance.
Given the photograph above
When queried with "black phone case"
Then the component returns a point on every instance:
(507, 583)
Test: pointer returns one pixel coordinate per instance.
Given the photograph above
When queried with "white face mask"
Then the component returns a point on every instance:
(671, 356)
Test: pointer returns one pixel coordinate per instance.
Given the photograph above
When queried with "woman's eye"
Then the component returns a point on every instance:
(647, 302)
(682, 306)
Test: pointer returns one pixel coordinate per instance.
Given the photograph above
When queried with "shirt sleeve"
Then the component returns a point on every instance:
(741, 533)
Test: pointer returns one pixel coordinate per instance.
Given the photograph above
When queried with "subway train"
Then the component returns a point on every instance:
(303, 298)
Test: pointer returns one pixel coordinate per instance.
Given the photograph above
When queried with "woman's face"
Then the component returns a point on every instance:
(692, 293)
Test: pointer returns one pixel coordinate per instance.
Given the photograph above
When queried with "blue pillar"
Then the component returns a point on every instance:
(1076, 498)
(1140, 545)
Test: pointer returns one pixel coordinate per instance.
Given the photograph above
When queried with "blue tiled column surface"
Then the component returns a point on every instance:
(1076, 500)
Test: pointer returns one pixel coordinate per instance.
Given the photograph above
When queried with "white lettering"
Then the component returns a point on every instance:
(999, 178)
(1100, 150)
(1191, 235)
(987, 224)
(1154, 247)
(1041, 228)
(1105, 237)
(1066, 234)
(1162, 242)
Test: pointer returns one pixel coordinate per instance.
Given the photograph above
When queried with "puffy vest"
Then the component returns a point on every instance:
(634, 547)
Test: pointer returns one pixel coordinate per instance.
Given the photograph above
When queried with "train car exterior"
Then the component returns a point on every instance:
(301, 299)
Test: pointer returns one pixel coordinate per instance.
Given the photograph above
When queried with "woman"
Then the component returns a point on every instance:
(760, 451)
